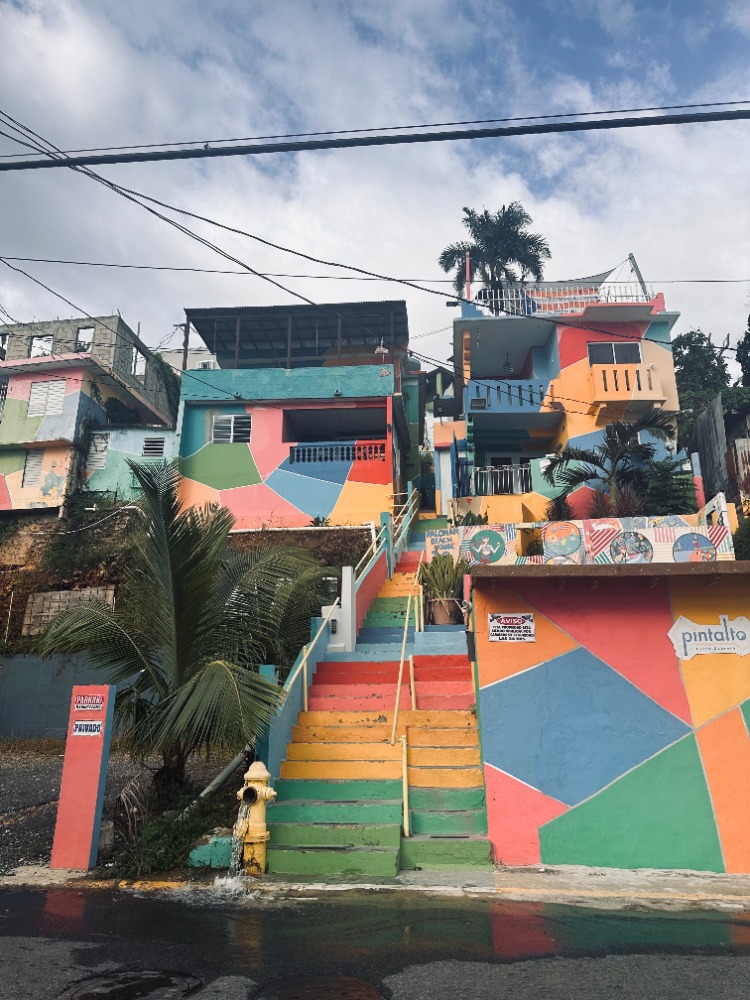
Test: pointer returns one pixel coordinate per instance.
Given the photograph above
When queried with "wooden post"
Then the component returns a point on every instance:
(185, 343)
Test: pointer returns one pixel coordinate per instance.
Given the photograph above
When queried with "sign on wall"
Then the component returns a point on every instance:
(512, 627)
(693, 638)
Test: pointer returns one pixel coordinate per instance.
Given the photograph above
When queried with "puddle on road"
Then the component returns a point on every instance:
(149, 985)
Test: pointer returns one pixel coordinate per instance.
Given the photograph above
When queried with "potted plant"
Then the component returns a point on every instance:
(443, 583)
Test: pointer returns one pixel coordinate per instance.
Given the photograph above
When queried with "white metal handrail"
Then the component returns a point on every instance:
(371, 552)
(420, 612)
(401, 671)
(405, 782)
(402, 521)
(301, 667)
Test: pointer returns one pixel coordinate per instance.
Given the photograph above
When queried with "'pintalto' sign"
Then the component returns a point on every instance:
(692, 638)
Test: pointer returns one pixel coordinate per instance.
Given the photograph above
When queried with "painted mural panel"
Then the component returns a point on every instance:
(270, 481)
(601, 747)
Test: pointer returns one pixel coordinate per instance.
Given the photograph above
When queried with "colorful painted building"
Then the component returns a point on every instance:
(315, 414)
(551, 369)
(59, 382)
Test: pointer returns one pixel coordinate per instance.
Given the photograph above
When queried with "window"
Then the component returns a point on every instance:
(97, 456)
(153, 447)
(32, 469)
(205, 365)
(139, 364)
(41, 347)
(3, 393)
(231, 430)
(46, 397)
(624, 353)
(84, 339)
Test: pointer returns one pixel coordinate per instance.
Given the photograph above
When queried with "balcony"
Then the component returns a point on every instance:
(500, 480)
(337, 451)
(634, 387)
(512, 396)
(563, 298)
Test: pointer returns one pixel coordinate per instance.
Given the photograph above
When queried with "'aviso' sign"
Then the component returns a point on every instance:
(729, 636)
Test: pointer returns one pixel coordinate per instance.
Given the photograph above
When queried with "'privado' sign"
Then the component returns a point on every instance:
(728, 636)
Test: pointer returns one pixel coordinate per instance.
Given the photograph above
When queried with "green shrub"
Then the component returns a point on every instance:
(742, 540)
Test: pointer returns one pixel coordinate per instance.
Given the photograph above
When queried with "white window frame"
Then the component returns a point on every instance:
(614, 345)
(32, 470)
(231, 429)
(97, 453)
(46, 398)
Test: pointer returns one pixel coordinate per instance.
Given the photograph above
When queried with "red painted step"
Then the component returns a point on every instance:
(436, 675)
(440, 702)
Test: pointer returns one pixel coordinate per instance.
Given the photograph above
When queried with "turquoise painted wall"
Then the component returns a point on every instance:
(127, 443)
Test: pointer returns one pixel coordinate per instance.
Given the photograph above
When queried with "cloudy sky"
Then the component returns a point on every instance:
(86, 73)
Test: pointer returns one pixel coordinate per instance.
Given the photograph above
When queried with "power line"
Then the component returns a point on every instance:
(258, 149)
(323, 277)
(385, 128)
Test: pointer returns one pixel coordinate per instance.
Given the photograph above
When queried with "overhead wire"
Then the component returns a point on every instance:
(391, 128)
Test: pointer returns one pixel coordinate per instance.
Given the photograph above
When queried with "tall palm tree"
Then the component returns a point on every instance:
(501, 250)
(619, 463)
(187, 635)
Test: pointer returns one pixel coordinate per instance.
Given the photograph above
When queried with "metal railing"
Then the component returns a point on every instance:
(549, 298)
(419, 625)
(401, 673)
(301, 667)
(373, 550)
(405, 782)
(340, 451)
(498, 480)
(402, 518)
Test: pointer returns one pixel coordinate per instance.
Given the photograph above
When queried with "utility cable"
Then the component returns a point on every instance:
(598, 125)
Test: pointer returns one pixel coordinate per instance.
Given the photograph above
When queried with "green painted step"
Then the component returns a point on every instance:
(345, 791)
(443, 823)
(445, 798)
(307, 811)
(387, 619)
(332, 861)
(389, 604)
(333, 835)
(444, 852)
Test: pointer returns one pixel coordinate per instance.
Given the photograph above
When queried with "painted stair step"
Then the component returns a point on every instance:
(444, 777)
(425, 702)
(332, 861)
(376, 733)
(446, 822)
(430, 799)
(437, 629)
(385, 662)
(342, 791)
(425, 719)
(312, 811)
(382, 634)
(334, 835)
(433, 853)
(355, 769)
(363, 673)
(374, 752)
(362, 688)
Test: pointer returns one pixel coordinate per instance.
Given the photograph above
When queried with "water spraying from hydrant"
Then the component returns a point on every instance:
(250, 834)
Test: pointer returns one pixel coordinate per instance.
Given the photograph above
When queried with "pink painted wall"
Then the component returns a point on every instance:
(369, 587)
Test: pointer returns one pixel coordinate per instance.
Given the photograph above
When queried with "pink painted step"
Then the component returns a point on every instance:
(390, 676)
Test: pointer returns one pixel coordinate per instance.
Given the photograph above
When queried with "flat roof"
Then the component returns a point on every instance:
(594, 571)
(266, 333)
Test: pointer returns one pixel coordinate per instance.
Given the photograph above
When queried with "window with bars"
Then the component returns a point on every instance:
(3, 394)
(153, 447)
(97, 454)
(32, 469)
(233, 429)
(46, 398)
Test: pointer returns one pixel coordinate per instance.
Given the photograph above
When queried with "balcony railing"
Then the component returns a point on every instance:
(551, 299)
(498, 480)
(626, 384)
(337, 451)
(505, 395)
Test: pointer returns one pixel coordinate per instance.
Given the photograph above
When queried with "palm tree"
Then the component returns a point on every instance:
(193, 623)
(618, 465)
(501, 250)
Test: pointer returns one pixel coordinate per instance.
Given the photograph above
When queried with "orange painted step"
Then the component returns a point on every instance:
(445, 777)
(346, 751)
(341, 770)
(380, 732)
(424, 719)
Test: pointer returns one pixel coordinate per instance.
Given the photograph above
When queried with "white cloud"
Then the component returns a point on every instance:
(104, 73)
(737, 15)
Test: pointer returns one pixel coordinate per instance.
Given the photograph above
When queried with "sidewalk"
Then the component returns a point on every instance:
(602, 888)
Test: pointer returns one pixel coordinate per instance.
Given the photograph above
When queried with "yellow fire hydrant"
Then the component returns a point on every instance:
(251, 822)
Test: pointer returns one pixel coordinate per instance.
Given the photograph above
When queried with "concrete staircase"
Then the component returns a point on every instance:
(339, 809)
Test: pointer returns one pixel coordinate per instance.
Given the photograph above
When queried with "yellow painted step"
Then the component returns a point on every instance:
(443, 756)
(341, 770)
(457, 718)
(377, 733)
(445, 777)
(344, 751)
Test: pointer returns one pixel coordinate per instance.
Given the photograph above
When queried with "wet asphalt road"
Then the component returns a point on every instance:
(407, 946)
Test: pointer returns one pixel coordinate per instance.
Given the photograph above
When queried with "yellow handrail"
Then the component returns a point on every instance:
(412, 686)
(401, 671)
(419, 624)
(405, 782)
(302, 665)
